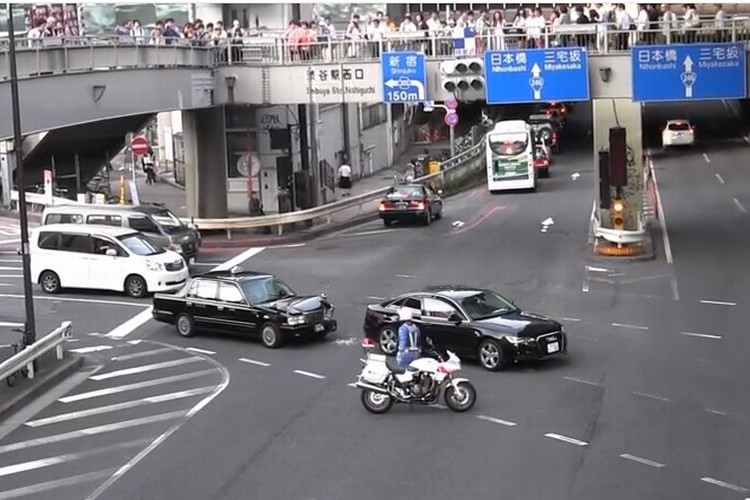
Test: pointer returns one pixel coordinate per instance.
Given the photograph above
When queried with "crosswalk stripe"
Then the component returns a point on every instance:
(59, 459)
(53, 485)
(161, 398)
(137, 385)
(91, 431)
(142, 354)
(146, 368)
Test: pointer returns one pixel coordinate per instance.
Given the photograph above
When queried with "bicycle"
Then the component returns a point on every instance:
(17, 347)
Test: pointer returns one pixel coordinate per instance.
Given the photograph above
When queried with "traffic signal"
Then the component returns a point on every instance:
(462, 74)
(618, 214)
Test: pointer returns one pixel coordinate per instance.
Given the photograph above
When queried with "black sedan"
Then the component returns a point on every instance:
(411, 202)
(472, 322)
(245, 303)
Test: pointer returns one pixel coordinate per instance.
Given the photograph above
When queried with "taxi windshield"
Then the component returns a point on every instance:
(266, 289)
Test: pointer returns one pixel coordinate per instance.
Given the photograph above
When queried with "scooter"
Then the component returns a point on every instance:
(422, 382)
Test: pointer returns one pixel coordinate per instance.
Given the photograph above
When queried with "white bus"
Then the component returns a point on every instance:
(510, 152)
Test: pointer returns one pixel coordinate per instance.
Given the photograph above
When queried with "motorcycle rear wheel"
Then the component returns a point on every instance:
(463, 399)
(376, 402)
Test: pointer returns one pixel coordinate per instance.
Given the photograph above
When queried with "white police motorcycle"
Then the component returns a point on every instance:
(422, 382)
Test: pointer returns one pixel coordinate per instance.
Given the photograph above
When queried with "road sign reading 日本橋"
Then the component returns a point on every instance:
(689, 72)
(537, 75)
(403, 76)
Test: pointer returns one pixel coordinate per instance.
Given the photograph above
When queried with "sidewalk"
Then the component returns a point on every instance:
(172, 195)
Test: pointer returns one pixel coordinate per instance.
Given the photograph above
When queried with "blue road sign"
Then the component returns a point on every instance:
(689, 72)
(537, 75)
(403, 76)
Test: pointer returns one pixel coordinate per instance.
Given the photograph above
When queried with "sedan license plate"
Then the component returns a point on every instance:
(319, 328)
(401, 205)
(553, 347)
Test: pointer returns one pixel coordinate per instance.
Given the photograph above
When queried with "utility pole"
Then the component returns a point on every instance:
(28, 292)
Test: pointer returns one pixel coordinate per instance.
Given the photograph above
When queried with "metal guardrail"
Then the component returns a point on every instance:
(77, 54)
(43, 199)
(25, 359)
(329, 209)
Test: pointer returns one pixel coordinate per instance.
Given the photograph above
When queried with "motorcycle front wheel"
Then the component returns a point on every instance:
(461, 397)
(376, 402)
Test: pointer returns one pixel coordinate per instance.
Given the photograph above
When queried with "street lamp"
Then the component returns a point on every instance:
(30, 329)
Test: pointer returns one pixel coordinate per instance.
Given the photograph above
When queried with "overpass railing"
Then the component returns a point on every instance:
(64, 55)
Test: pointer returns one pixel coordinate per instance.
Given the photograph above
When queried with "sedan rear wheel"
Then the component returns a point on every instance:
(427, 216)
(388, 340)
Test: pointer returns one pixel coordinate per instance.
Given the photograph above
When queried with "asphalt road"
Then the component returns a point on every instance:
(650, 404)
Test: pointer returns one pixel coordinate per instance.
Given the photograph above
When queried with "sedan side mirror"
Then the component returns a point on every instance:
(455, 318)
(111, 252)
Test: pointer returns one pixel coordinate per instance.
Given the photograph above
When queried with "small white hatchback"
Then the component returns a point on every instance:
(678, 133)
(103, 258)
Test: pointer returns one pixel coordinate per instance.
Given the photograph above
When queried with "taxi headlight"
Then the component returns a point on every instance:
(296, 320)
(328, 313)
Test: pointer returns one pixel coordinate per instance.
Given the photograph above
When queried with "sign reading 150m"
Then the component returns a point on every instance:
(403, 76)
(520, 76)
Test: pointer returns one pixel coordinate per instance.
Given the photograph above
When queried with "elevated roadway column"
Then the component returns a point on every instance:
(625, 113)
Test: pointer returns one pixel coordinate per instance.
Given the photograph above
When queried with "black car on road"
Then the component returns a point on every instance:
(245, 303)
(411, 202)
(472, 322)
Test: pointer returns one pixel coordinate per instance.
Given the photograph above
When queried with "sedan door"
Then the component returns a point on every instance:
(201, 303)
(438, 318)
(234, 311)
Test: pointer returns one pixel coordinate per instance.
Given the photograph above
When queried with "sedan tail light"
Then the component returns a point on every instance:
(419, 205)
(385, 205)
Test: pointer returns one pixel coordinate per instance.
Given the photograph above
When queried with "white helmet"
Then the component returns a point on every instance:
(405, 314)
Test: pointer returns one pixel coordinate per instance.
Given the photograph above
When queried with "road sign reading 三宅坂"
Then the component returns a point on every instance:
(537, 75)
(403, 76)
(683, 72)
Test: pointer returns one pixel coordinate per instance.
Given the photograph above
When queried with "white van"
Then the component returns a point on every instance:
(104, 258)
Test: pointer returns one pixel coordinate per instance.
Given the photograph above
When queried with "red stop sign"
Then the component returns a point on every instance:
(139, 145)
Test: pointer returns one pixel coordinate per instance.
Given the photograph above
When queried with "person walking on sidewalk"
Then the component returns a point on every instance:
(345, 178)
(147, 162)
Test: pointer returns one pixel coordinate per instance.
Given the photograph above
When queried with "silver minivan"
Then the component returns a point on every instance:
(157, 222)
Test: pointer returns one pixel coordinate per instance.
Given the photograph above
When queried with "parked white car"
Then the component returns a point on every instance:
(103, 258)
(678, 133)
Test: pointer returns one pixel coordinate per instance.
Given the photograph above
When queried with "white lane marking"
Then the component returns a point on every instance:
(583, 381)
(309, 374)
(8, 242)
(132, 387)
(291, 245)
(718, 303)
(369, 233)
(161, 398)
(91, 431)
(702, 335)
(10, 324)
(566, 439)
(651, 396)
(598, 269)
(494, 420)
(239, 259)
(662, 219)
(146, 368)
(575, 176)
(717, 412)
(585, 286)
(201, 351)
(705, 157)
(724, 484)
(373, 297)
(11, 261)
(439, 406)
(165, 435)
(133, 342)
(95, 348)
(142, 354)
(348, 341)
(53, 485)
(70, 299)
(7, 285)
(640, 460)
(131, 325)
(254, 362)
(739, 205)
(570, 318)
(354, 385)
(633, 327)
(404, 276)
(68, 457)
(719, 178)
(212, 264)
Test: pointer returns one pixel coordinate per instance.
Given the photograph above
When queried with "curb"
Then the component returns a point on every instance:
(41, 384)
(299, 237)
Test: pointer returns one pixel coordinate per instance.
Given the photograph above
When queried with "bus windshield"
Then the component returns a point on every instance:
(509, 144)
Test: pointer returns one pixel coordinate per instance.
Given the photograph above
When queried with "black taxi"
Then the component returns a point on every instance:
(245, 303)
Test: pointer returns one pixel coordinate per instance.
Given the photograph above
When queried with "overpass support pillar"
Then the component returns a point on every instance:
(609, 113)
(205, 162)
